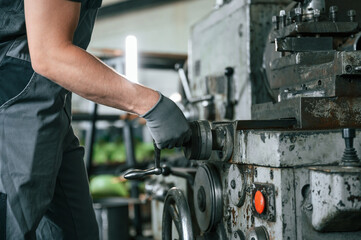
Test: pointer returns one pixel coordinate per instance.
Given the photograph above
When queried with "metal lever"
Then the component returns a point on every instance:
(138, 173)
(187, 90)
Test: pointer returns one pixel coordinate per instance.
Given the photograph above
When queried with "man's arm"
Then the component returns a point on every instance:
(50, 28)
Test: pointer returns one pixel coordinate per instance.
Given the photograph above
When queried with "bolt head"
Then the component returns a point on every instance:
(316, 12)
(298, 11)
(274, 19)
(351, 13)
(333, 9)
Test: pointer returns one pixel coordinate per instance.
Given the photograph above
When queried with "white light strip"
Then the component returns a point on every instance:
(131, 58)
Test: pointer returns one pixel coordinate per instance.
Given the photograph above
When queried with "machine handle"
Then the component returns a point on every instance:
(139, 174)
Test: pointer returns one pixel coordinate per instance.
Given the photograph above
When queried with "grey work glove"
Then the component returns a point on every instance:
(167, 124)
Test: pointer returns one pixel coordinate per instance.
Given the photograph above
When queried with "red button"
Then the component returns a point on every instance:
(259, 202)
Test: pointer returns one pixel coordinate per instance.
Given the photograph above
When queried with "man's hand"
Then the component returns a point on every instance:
(167, 124)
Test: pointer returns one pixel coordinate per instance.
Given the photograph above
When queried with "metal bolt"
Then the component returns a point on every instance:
(283, 17)
(333, 13)
(275, 22)
(233, 184)
(351, 14)
(316, 14)
(348, 68)
(298, 13)
(289, 21)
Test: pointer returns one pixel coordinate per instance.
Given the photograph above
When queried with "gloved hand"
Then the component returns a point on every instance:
(167, 124)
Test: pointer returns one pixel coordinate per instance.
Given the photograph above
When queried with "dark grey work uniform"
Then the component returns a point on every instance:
(44, 191)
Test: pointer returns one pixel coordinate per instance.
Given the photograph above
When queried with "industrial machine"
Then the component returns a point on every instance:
(276, 88)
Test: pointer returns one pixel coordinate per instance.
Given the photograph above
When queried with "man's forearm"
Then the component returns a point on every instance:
(80, 72)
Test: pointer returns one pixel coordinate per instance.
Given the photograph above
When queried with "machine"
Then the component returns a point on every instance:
(275, 87)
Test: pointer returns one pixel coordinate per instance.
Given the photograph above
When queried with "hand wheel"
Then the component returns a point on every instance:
(176, 210)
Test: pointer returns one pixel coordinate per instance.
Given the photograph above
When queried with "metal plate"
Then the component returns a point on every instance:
(236, 186)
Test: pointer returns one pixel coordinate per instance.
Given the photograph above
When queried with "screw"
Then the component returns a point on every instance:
(348, 68)
(283, 17)
(298, 13)
(233, 184)
(275, 22)
(333, 13)
(351, 14)
(316, 14)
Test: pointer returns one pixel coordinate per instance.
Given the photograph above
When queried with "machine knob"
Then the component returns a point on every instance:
(349, 157)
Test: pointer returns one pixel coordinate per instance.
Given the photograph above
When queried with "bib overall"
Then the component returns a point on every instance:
(44, 192)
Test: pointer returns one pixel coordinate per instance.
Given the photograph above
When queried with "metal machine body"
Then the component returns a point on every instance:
(308, 194)
(275, 151)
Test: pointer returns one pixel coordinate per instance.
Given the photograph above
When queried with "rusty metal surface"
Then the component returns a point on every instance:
(290, 148)
(304, 210)
(294, 44)
(265, 124)
(243, 218)
(336, 199)
(302, 67)
(328, 28)
(314, 113)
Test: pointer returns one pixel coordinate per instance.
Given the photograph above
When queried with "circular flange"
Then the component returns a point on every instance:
(200, 146)
(236, 185)
(223, 140)
(207, 197)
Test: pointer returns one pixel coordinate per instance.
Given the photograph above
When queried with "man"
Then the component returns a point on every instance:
(44, 192)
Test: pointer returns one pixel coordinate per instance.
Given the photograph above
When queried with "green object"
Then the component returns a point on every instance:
(108, 186)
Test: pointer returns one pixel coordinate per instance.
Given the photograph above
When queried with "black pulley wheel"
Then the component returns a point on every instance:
(176, 210)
